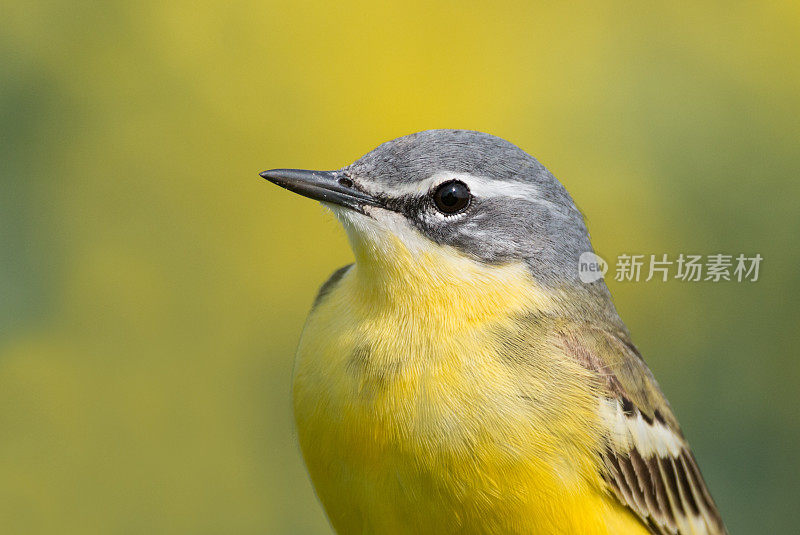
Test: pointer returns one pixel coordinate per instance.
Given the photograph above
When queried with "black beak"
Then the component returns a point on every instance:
(327, 186)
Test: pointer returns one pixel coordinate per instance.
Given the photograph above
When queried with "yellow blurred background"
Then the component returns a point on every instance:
(153, 287)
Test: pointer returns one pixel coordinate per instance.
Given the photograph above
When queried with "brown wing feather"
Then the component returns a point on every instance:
(648, 464)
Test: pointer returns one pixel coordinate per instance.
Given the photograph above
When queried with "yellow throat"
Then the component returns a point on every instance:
(424, 399)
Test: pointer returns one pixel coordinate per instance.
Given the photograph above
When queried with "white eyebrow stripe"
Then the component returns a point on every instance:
(485, 188)
(478, 185)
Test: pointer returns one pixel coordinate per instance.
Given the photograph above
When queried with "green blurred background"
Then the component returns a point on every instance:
(153, 287)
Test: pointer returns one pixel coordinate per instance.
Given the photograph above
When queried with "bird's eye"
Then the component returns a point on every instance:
(451, 197)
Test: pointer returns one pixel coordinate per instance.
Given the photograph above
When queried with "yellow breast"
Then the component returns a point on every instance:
(415, 416)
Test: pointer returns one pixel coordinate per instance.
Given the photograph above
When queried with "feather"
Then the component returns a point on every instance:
(647, 463)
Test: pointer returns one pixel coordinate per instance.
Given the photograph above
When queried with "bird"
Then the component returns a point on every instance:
(460, 376)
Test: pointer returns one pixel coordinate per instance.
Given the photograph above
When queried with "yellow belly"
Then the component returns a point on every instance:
(413, 418)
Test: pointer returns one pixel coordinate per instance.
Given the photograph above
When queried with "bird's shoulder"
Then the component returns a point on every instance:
(646, 461)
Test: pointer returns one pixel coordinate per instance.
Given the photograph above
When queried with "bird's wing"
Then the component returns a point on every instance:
(647, 462)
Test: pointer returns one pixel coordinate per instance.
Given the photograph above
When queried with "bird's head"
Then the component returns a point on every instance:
(469, 201)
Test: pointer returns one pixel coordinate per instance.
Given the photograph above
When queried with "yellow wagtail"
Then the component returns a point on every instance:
(459, 377)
